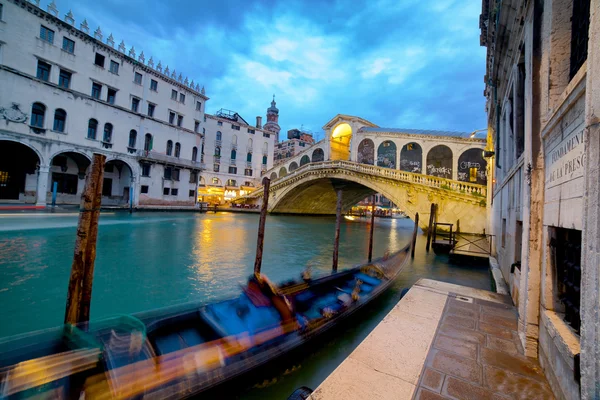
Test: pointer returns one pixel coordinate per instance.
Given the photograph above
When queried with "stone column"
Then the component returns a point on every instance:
(455, 165)
(42, 185)
(590, 249)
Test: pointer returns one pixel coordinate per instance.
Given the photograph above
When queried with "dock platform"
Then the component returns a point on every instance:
(441, 341)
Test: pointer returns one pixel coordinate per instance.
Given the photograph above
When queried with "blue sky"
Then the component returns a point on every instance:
(397, 63)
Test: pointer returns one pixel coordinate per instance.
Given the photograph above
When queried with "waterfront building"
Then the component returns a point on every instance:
(297, 141)
(68, 92)
(543, 102)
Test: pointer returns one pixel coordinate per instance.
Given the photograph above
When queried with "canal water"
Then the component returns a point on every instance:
(152, 260)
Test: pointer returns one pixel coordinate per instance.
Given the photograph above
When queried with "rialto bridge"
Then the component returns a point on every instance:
(411, 168)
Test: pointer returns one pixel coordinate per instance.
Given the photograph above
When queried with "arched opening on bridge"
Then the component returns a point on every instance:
(318, 155)
(366, 152)
(118, 177)
(18, 172)
(68, 170)
(304, 160)
(339, 143)
(411, 158)
(293, 166)
(273, 176)
(439, 162)
(472, 167)
(386, 155)
(282, 172)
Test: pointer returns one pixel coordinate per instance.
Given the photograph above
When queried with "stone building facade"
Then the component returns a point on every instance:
(543, 99)
(68, 92)
(297, 142)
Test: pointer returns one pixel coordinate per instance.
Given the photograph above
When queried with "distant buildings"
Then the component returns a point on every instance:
(69, 92)
(297, 141)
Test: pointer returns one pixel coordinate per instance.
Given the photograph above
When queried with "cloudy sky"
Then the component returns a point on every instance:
(397, 63)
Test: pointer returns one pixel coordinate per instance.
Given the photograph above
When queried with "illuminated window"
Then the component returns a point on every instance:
(472, 174)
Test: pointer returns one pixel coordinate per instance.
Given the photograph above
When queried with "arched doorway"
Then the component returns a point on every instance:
(304, 160)
(282, 172)
(411, 158)
(386, 155)
(67, 170)
(18, 172)
(116, 183)
(318, 155)
(293, 166)
(472, 167)
(366, 152)
(439, 162)
(339, 143)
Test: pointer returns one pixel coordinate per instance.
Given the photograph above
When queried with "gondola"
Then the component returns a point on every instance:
(182, 351)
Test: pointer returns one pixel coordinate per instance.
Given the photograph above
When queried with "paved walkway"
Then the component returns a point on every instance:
(441, 341)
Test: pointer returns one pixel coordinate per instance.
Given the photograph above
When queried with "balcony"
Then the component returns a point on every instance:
(248, 164)
(165, 159)
(233, 146)
(218, 143)
(216, 159)
(131, 150)
(106, 145)
(232, 161)
(249, 149)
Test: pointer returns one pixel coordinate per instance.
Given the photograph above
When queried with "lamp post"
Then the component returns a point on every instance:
(475, 131)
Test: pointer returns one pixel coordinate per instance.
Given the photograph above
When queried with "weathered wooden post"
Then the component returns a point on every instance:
(372, 227)
(338, 220)
(431, 217)
(79, 296)
(414, 238)
(261, 226)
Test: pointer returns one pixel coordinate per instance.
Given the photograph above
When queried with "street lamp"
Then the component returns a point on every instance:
(475, 131)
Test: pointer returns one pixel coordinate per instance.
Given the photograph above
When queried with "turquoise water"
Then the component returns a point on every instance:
(152, 260)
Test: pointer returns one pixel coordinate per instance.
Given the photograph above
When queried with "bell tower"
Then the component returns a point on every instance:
(272, 124)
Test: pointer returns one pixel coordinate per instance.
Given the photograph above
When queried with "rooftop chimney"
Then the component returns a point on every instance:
(259, 122)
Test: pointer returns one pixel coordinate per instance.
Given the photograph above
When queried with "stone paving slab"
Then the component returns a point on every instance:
(441, 341)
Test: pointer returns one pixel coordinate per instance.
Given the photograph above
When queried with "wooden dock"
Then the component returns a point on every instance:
(470, 245)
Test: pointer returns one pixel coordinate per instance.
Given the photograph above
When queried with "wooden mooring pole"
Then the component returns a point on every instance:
(414, 238)
(261, 226)
(431, 218)
(79, 296)
(338, 220)
(372, 227)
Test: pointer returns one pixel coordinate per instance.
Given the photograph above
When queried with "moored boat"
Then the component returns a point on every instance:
(181, 351)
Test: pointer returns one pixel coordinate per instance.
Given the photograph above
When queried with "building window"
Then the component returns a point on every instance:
(148, 142)
(176, 174)
(92, 129)
(38, 110)
(193, 176)
(68, 45)
(219, 123)
(218, 151)
(219, 135)
(99, 60)
(216, 168)
(114, 67)
(108, 128)
(1, 9)
(153, 85)
(171, 117)
(248, 172)
(173, 94)
(194, 153)
(182, 98)
(96, 90)
(198, 106)
(566, 248)
(60, 118)
(43, 71)
(166, 191)
(251, 131)
(111, 95)
(249, 157)
(233, 154)
(215, 181)
(266, 135)
(169, 147)
(192, 193)
(64, 79)
(179, 120)
(196, 126)
(151, 109)
(46, 34)
(137, 78)
(264, 160)
(231, 182)
(135, 103)
(174, 192)
(233, 170)
(235, 127)
(146, 169)
(132, 138)
(503, 232)
(144, 188)
(580, 26)
(177, 149)
(168, 173)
